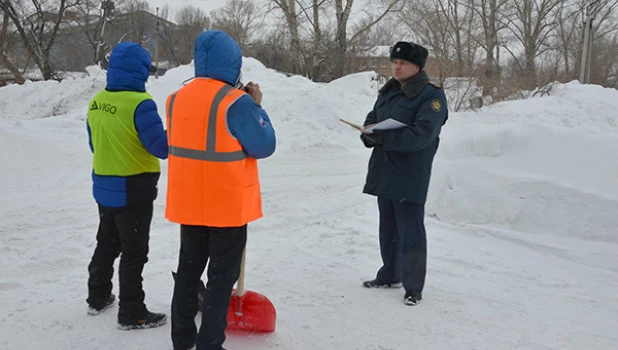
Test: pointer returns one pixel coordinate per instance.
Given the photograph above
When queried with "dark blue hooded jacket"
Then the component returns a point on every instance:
(128, 70)
(218, 56)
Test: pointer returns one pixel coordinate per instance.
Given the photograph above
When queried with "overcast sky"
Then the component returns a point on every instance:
(206, 5)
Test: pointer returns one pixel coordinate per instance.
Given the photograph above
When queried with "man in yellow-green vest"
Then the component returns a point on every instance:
(126, 137)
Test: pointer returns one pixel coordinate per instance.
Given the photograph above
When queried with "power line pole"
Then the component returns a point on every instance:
(157, 46)
(106, 6)
(592, 9)
(584, 73)
(589, 51)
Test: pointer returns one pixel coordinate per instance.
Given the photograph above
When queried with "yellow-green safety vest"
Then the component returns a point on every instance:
(117, 148)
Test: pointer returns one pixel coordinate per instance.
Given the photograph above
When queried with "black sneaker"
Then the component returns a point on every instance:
(95, 309)
(193, 347)
(378, 284)
(152, 320)
(412, 298)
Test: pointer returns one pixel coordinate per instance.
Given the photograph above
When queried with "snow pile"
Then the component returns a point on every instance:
(521, 224)
(535, 165)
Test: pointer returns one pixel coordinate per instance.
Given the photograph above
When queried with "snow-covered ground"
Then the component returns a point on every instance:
(522, 223)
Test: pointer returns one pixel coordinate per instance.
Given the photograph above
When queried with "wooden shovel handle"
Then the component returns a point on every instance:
(355, 126)
(240, 287)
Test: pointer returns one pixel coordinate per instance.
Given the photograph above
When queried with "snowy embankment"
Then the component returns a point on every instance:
(521, 222)
(541, 165)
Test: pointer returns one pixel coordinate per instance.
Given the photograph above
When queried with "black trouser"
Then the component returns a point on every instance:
(125, 230)
(403, 244)
(224, 248)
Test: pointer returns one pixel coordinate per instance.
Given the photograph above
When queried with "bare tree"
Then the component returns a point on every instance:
(294, 9)
(238, 18)
(568, 38)
(92, 17)
(343, 9)
(604, 37)
(368, 50)
(459, 19)
(318, 53)
(193, 17)
(288, 7)
(573, 55)
(135, 11)
(272, 50)
(178, 44)
(341, 35)
(531, 23)
(604, 68)
(384, 33)
(5, 43)
(433, 27)
(490, 14)
(38, 28)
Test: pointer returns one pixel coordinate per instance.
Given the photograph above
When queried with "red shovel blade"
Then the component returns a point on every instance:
(251, 312)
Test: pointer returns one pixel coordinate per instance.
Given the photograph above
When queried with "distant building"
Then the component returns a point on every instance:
(73, 51)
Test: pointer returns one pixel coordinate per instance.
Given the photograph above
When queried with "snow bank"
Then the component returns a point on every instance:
(543, 164)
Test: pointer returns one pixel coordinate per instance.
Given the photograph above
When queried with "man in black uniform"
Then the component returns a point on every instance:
(400, 168)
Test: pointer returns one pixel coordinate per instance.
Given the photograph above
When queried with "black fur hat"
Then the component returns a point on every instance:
(410, 52)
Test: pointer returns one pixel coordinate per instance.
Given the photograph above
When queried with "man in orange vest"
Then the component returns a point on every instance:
(217, 130)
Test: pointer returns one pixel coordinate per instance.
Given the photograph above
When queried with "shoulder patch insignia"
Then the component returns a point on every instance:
(436, 105)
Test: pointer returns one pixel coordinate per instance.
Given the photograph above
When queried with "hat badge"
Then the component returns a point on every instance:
(398, 49)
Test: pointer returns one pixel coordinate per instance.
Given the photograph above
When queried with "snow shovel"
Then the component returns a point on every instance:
(250, 311)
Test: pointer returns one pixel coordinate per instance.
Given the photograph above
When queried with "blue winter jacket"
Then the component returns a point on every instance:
(128, 70)
(400, 165)
(218, 56)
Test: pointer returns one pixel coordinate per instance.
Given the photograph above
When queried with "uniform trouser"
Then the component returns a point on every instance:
(123, 230)
(403, 244)
(199, 244)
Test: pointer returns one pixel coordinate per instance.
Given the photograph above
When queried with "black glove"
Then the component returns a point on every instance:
(371, 140)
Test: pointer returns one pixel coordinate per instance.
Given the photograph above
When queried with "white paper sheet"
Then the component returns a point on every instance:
(387, 124)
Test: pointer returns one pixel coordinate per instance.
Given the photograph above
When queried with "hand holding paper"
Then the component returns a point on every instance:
(388, 124)
(371, 140)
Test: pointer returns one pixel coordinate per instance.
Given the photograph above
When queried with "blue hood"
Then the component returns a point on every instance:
(217, 56)
(128, 68)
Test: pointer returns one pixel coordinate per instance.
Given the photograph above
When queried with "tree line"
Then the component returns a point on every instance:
(504, 45)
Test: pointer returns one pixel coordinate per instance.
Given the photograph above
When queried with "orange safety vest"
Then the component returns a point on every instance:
(211, 180)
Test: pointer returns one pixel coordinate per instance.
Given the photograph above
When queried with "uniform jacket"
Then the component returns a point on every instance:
(400, 165)
(115, 186)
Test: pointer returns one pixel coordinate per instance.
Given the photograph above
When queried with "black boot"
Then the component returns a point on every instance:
(96, 308)
(412, 298)
(149, 320)
(378, 284)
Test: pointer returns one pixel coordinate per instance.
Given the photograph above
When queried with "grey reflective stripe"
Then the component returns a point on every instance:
(208, 155)
(211, 140)
(169, 112)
